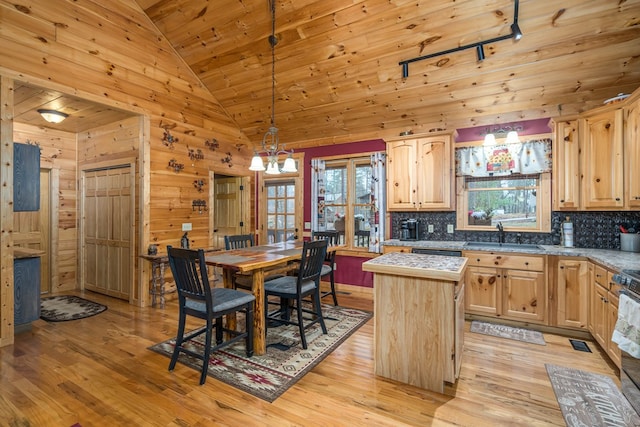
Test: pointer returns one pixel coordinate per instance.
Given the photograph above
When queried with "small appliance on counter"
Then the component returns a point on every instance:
(409, 229)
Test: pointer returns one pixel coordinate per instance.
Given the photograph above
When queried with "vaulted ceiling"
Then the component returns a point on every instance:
(338, 77)
(337, 68)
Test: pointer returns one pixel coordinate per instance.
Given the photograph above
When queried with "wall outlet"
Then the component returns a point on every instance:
(186, 226)
(307, 225)
(449, 228)
(430, 228)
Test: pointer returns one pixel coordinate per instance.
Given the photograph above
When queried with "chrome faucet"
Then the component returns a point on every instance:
(501, 232)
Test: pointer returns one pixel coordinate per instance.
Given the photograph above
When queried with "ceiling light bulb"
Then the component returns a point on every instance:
(53, 116)
(256, 163)
(489, 139)
(512, 136)
(272, 168)
(289, 165)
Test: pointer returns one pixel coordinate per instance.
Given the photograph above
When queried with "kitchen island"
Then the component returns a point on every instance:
(419, 317)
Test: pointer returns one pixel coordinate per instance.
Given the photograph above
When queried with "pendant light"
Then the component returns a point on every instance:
(271, 141)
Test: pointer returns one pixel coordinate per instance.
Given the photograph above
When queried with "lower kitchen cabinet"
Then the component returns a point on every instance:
(572, 290)
(603, 310)
(507, 286)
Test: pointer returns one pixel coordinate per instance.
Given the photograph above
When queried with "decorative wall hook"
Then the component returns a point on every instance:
(200, 204)
(177, 167)
(168, 139)
(195, 154)
(212, 144)
(228, 160)
(199, 183)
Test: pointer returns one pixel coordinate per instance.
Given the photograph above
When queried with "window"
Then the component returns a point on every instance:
(519, 202)
(281, 211)
(348, 195)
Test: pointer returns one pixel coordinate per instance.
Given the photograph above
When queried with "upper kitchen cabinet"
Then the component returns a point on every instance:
(566, 165)
(26, 177)
(419, 173)
(602, 165)
(632, 151)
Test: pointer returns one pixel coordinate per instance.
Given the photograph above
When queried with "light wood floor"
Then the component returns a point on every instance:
(98, 372)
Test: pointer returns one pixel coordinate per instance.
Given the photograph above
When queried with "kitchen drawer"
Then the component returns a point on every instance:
(600, 276)
(505, 260)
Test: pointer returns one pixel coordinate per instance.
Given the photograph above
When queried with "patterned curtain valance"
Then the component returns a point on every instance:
(525, 158)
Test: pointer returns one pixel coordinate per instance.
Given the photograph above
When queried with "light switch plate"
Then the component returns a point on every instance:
(186, 226)
(449, 228)
(430, 228)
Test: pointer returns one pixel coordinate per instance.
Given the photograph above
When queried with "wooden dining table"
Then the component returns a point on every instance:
(256, 260)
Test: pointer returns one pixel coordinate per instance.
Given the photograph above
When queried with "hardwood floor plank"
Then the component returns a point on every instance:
(99, 371)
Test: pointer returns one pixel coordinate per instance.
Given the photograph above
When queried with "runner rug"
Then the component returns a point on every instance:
(61, 308)
(588, 399)
(503, 331)
(285, 362)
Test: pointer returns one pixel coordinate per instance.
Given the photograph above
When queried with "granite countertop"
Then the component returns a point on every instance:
(612, 259)
(418, 265)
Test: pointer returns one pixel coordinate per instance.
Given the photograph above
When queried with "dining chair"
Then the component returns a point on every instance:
(239, 241)
(292, 289)
(328, 268)
(197, 299)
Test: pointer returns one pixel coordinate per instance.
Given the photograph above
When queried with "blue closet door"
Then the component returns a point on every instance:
(26, 290)
(26, 177)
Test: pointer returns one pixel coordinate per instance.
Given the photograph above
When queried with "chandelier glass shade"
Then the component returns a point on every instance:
(271, 147)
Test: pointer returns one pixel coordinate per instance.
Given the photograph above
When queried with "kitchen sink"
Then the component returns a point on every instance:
(489, 245)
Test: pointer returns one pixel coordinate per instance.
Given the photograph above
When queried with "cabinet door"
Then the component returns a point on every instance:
(401, 175)
(573, 293)
(523, 295)
(26, 177)
(434, 172)
(612, 317)
(602, 168)
(632, 154)
(599, 306)
(566, 164)
(482, 290)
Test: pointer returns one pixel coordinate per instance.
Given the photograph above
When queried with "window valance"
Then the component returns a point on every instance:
(525, 158)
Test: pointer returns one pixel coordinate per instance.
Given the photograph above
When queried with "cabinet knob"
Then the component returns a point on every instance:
(562, 267)
(561, 200)
(617, 199)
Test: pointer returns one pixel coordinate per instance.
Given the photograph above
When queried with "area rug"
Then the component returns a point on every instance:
(285, 362)
(503, 331)
(62, 308)
(588, 399)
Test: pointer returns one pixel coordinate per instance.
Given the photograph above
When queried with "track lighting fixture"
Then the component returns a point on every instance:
(515, 34)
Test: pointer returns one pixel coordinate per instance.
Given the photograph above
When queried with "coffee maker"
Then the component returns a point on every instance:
(409, 229)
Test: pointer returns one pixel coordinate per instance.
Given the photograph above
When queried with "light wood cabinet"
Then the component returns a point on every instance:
(602, 165)
(566, 165)
(632, 153)
(507, 286)
(419, 173)
(572, 290)
(603, 310)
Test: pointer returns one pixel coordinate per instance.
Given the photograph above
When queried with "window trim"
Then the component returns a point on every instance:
(543, 208)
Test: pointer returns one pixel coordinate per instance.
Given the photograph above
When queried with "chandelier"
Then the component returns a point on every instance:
(270, 141)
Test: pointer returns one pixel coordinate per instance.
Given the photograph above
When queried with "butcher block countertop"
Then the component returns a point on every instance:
(418, 265)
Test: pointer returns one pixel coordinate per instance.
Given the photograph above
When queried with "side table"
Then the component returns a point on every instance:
(158, 264)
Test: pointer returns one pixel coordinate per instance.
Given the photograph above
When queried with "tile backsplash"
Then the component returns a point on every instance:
(591, 229)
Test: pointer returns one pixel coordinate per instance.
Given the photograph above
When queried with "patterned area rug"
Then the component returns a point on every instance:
(270, 375)
(61, 308)
(503, 331)
(588, 399)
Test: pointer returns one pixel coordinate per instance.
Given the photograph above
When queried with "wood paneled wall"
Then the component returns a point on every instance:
(116, 57)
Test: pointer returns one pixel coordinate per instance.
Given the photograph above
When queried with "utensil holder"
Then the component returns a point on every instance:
(630, 242)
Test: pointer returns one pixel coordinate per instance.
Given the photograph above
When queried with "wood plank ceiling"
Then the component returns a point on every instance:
(337, 72)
